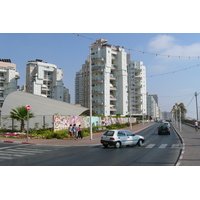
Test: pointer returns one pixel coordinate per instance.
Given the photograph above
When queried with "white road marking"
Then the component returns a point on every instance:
(175, 146)
(150, 145)
(162, 146)
(10, 154)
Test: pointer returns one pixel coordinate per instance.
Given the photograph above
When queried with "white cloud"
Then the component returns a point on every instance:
(161, 42)
(167, 45)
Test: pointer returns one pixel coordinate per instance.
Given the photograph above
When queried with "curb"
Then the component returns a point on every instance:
(7, 141)
(178, 162)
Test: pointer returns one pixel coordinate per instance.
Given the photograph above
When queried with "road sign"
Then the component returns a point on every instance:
(28, 107)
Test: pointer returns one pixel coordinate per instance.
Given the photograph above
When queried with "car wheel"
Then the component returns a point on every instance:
(140, 143)
(117, 145)
(105, 145)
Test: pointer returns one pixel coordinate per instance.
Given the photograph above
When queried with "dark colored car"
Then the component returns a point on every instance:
(163, 129)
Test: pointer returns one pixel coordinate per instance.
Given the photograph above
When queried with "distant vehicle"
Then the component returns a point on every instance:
(166, 123)
(118, 138)
(163, 129)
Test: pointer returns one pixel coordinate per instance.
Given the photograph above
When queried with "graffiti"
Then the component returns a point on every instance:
(63, 122)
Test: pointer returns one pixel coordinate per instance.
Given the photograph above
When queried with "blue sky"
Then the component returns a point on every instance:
(44, 30)
(69, 51)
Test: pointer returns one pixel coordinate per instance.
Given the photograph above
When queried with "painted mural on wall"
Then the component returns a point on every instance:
(63, 122)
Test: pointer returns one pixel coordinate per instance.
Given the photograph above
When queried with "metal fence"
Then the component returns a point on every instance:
(39, 121)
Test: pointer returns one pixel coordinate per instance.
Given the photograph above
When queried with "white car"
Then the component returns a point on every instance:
(167, 123)
(118, 138)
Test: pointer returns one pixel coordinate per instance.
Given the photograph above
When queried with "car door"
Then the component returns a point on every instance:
(122, 137)
(132, 138)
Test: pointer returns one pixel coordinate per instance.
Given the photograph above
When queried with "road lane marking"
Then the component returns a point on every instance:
(11, 147)
(175, 146)
(32, 150)
(8, 158)
(22, 152)
(150, 146)
(162, 146)
(10, 154)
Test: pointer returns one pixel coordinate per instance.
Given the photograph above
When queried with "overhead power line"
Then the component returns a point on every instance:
(172, 72)
(145, 52)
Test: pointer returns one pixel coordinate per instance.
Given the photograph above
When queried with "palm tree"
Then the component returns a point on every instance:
(176, 108)
(20, 114)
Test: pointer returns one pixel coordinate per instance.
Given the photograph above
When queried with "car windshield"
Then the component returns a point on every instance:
(109, 133)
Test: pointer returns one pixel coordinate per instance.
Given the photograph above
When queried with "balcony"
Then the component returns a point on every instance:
(97, 69)
(94, 60)
(113, 108)
(112, 98)
(138, 77)
(114, 57)
(136, 87)
(2, 79)
(113, 67)
(138, 94)
(137, 70)
(97, 103)
(112, 88)
(112, 77)
(136, 102)
(97, 81)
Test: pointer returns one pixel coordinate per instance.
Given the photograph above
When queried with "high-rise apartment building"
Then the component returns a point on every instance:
(79, 88)
(44, 79)
(152, 106)
(86, 83)
(109, 79)
(66, 95)
(137, 88)
(8, 79)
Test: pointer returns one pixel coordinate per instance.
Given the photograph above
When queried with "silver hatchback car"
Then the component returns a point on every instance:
(118, 138)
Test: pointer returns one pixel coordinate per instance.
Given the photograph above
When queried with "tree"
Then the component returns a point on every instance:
(20, 114)
(176, 109)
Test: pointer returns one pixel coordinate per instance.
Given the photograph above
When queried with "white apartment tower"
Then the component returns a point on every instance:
(109, 79)
(137, 88)
(44, 79)
(8, 79)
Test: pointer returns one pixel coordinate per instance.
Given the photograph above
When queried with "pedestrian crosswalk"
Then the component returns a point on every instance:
(163, 146)
(19, 152)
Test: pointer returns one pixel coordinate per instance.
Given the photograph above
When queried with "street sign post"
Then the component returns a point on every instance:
(28, 108)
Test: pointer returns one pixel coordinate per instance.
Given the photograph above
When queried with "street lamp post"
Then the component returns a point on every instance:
(90, 77)
(180, 118)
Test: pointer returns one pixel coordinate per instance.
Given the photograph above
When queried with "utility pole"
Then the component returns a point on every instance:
(196, 105)
(90, 81)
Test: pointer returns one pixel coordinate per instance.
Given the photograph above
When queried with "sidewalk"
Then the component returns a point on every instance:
(96, 137)
(190, 155)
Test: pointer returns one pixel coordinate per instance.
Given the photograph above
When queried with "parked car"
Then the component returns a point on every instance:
(118, 138)
(163, 129)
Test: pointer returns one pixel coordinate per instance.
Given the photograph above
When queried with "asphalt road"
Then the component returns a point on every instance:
(158, 150)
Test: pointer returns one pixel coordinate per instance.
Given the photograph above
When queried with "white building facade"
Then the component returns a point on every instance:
(137, 88)
(109, 79)
(153, 110)
(8, 79)
(44, 79)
